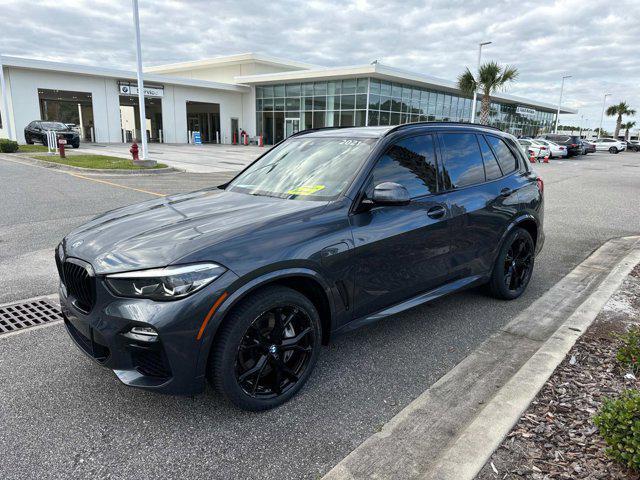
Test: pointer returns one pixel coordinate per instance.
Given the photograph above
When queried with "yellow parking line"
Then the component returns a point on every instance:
(116, 184)
(86, 178)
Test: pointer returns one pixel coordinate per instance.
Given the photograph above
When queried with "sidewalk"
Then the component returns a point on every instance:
(450, 431)
(186, 157)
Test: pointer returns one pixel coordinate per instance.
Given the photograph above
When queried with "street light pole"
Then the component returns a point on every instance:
(475, 90)
(604, 102)
(143, 116)
(5, 101)
(560, 101)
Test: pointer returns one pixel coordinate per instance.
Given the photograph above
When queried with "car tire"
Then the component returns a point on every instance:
(75, 145)
(245, 342)
(613, 150)
(513, 267)
(28, 140)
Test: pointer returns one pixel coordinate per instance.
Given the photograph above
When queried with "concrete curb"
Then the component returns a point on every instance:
(466, 457)
(451, 430)
(110, 171)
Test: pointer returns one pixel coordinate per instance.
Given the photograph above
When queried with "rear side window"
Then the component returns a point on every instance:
(462, 162)
(491, 168)
(506, 158)
(411, 162)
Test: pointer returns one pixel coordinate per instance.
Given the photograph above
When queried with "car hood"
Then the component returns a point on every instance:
(160, 232)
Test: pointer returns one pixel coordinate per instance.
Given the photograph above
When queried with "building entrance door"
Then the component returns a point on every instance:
(291, 126)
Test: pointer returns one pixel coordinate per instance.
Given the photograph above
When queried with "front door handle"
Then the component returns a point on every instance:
(436, 212)
(505, 192)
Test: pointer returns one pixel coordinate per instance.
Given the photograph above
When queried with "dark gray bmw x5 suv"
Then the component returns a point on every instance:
(329, 230)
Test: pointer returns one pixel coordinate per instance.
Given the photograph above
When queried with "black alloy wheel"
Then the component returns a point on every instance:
(613, 150)
(275, 352)
(514, 265)
(266, 349)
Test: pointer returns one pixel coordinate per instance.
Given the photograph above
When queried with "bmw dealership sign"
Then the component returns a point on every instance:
(129, 89)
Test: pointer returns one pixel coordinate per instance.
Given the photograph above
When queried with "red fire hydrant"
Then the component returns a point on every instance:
(134, 151)
(61, 144)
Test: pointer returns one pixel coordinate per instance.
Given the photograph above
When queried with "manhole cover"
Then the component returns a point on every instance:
(19, 316)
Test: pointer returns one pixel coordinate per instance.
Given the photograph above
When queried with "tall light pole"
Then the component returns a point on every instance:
(475, 90)
(560, 101)
(143, 116)
(5, 101)
(604, 103)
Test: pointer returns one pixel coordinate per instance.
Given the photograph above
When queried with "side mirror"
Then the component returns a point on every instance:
(390, 193)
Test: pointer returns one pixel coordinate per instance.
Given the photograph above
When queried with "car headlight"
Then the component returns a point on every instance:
(169, 283)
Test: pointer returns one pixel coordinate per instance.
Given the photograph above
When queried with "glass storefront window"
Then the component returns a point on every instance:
(344, 103)
(348, 102)
(320, 88)
(293, 90)
(348, 86)
(307, 88)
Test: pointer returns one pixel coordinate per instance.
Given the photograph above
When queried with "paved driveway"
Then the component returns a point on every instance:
(190, 158)
(61, 416)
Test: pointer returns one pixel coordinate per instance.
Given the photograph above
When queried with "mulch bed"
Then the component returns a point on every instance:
(556, 438)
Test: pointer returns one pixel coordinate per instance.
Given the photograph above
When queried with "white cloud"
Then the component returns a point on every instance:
(597, 42)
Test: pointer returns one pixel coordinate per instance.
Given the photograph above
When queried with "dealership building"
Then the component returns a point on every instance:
(217, 98)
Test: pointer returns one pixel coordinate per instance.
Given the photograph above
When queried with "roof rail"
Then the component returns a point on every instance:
(397, 127)
(299, 132)
(465, 124)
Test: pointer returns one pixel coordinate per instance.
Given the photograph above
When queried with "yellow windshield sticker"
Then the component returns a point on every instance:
(306, 190)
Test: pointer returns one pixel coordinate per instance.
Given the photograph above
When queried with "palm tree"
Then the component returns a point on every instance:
(627, 126)
(620, 109)
(491, 77)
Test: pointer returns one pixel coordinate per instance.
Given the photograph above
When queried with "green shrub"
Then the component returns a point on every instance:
(619, 424)
(8, 146)
(628, 354)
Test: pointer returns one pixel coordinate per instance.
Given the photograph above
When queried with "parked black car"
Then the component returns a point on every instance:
(329, 230)
(572, 142)
(36, 131)
(633, 145)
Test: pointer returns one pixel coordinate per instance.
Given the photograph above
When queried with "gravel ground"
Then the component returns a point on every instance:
(556, 438)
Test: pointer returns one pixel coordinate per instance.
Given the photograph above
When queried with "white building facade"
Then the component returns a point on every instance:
(221, 97)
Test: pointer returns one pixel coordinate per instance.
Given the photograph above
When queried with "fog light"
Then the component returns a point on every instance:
(142, 334)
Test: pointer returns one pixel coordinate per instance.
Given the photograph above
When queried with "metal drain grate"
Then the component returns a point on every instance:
(24, 315)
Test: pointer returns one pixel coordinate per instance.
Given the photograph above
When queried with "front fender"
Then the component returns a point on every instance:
(233, 297)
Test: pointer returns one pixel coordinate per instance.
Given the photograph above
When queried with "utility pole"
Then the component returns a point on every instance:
(560, 101)
(604, 102)
(143, 116)
(475, 90)
(5, 101)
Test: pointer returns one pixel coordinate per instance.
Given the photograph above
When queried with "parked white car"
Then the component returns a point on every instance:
(533, 146)
(555, 149)
(609, 145)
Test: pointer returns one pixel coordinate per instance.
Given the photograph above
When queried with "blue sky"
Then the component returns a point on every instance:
(597, 42)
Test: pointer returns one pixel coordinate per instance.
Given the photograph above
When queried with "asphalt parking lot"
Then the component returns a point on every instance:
(62, 416)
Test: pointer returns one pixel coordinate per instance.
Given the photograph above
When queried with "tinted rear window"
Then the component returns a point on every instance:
(491, 168)
(462, 160)
(506, 158)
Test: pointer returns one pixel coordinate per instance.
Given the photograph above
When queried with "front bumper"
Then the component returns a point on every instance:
(168, 363)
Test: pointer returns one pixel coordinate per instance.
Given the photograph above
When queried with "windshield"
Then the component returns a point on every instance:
(54, 126)
(305, 168)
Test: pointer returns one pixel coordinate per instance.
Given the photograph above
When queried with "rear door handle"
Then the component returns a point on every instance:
(505, 192)
(436, 212)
